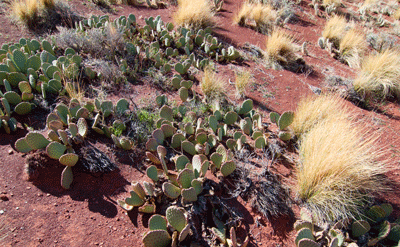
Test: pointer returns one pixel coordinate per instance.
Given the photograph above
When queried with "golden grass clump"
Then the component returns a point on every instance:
(380, 74)
(242, 80)
(352, 47)
(331, 2)
(280, 47)
(27, 11)
(315, 109)
(49, 4)
(258, 16)
(396, 14)
(194, 14)
(334, 29)
(212, 86)
(339, 170)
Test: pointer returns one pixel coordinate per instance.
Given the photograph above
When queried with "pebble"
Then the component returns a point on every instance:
(1, 211)
(10, 151)
(4, 198)
(16, 208)
(28, 188)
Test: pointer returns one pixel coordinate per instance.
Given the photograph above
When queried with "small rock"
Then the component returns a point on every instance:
(1, 211)
(47, 194)
(4, 198)
(28, 188)
(10, 151)
(39, 194)
(16, 208)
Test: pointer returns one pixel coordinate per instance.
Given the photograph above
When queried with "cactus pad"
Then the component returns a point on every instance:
(197, 184)
(246, 107)
(359, 228)
(23, 108)
(285, 120)
(183, 94)
(157, 222)
(188, 147)
(304, 233)
(134, 200)
(181, 161)
(274, 117)
(168, 130)
(67, 177)
(216, 158)
(213, 123)
(63, 135)
(121, 106)
(12, 97)
(149, 188)
(153, 158)
(36, 140)
(166, 113)
(230, 118)
(177, 140)
(227, 168)
(55, 125)
(376, 213)
(147, 208)
(83, 113)
(73, 128)
(185, 178)
(125, 205)
(55, 150)
(171, 190)
(137, 187)
(176, 218)
(69, 159)
(222, 151)
(305, 242)
(25, 87)
(83, 128)
(201, 138)
(22, 146)
(285, 136)
(231, 144)
(183, 234)
(152, 144)
(152, 173)
(158, 134)
(157, 238)
(260, 142)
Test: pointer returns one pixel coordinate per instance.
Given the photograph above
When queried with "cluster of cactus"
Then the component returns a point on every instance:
(219, 230)
(283, 122)
(175, 221)
(68, 126)
(183, 86)
(372, 229)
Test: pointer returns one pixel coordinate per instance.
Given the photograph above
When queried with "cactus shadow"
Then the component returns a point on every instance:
(95, 188)
(9, 139)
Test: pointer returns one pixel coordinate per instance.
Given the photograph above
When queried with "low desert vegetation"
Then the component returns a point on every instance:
(315, 109)
(396, 14)
(212, 86)
(280, 47)
(194, 14)
(352, 47)
(27, 11)
(334, 29)
(242, 80)
(258, 16)
(43, 16)
(339, 170)
(379, 75)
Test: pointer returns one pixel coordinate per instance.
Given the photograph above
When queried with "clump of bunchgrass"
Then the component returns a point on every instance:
(315, 109)
(396, 14)
(280, 47)
(242, 80)
(352, 47)
(260, 17)
(334, 29)
(339, 170)
(27, 11)
(379, 75)
(212, 86)
(49, 4)
(194, 14)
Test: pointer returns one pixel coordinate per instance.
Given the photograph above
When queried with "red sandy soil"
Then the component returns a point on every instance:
(43, 214)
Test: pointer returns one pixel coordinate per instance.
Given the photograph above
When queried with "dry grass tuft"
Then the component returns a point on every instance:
(212, 86)
(380, 74)
(315, 109)
(49, 4)
(260, 17)
(331, 2)
(396, 14)
(339, 170)
(334, 29)
(352, 47)
(27, 11)
(280, 47)
(194, 14)
(243, 79)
